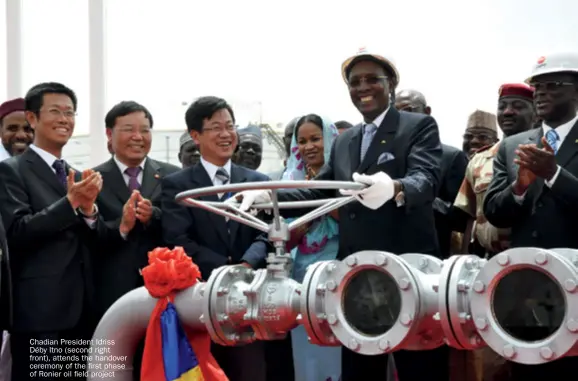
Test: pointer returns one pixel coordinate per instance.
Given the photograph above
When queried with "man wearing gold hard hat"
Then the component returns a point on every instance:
(534, 191)
(397, 156)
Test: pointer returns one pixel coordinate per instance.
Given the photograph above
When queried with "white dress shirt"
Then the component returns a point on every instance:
(123, 167)
(4, 153)
(212, 172)
(563, 131)
(376, 122)
(49, 159)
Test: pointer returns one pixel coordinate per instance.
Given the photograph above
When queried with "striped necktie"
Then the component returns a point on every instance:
(224, 178)
(552, 138)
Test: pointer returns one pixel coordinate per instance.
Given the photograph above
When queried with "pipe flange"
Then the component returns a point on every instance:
(225, 305)
(560, 270)
(456, 280)
(424, 263)
(313, 312)
(406, 292)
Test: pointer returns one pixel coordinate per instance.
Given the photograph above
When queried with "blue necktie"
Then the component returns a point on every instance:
(552, 139)
(368, 132)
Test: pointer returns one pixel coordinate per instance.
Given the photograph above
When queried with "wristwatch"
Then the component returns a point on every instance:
(79, 211)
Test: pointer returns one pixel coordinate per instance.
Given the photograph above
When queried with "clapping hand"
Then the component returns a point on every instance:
(534, 162)
(129, 213)
(83, 194)
(144, 209)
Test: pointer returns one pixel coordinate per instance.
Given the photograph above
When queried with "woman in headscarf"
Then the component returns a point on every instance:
(316, 241)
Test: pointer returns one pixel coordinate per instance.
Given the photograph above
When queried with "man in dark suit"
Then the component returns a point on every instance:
(399, 154)
(209, 239)
(534, 189)
(453, 168)
(5, 284)
(50, 221)
(130, 178)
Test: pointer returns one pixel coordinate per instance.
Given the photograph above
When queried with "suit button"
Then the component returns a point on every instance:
(352, 216)
(535, 234)
(539, 205)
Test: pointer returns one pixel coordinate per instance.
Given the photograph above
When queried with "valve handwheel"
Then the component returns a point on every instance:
(231, 211)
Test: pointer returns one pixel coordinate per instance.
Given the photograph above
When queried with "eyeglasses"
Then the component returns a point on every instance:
(368, 79)
(220, 129)
(56, 113)
(550, 85)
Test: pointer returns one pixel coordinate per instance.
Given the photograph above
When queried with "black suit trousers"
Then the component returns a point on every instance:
(22, 345)
(411, 365)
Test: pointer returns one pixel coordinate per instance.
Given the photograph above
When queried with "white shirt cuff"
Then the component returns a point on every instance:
(551, 182)
(123, 235)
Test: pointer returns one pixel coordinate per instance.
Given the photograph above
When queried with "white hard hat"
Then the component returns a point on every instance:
(364, 55)
(555, 63)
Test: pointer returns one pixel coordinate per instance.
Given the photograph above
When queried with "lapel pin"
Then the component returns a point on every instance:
(383, 142)
(576, 141)
(157, 176)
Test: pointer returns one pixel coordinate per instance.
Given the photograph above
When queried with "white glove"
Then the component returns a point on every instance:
(248, 198)
(379, 191)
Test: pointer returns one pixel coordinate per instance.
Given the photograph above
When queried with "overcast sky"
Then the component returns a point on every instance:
(287, 55)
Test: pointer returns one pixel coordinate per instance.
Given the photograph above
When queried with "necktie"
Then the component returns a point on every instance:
(60, 168)
(368, 132)
(552, 139)
(223, 176)
(133, 173)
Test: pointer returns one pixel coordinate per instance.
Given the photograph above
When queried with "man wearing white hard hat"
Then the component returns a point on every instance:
(534, 191)
(397, 155)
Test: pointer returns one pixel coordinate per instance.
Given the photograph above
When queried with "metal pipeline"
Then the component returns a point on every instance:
(125, 324)
(523, 303)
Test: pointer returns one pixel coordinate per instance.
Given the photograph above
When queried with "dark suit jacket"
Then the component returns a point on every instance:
(413, 140)
(203, 234)
(547, 216)
(117, 269)
(453, 169)
(49, 243)
(5, 283)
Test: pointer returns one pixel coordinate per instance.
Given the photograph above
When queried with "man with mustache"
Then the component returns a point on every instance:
(534, 190)
(481, 131)
(15, 132)
(250, 149)
(515, 115)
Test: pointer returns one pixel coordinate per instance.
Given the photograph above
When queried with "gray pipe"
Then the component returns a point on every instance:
(126, 322)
